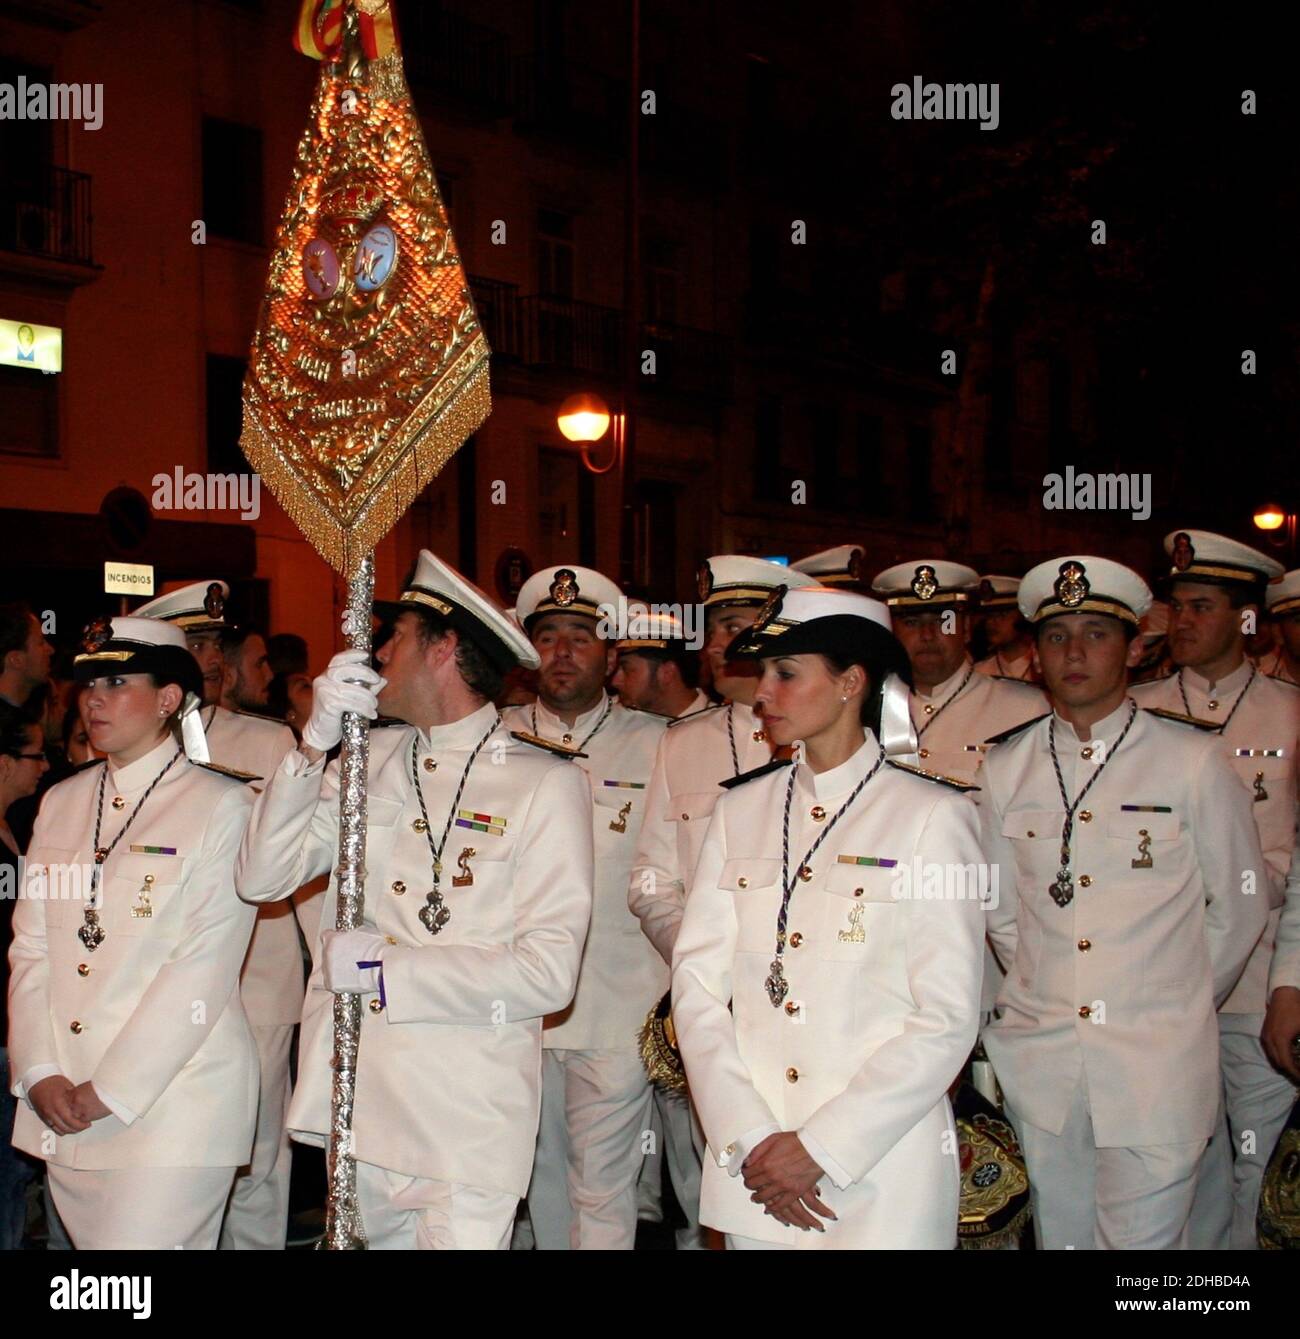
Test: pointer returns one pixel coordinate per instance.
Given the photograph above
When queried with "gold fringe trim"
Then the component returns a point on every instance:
(415, 455)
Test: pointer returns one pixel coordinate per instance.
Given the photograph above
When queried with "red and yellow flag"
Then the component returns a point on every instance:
(319, 33)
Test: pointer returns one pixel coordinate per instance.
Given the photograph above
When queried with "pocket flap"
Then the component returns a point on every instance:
(747, 872)
(861, 883)
(1032, 824)
(692, 805)
(134, 865)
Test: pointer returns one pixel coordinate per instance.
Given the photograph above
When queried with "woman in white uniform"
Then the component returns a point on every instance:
(824, 996)
(127, 1039)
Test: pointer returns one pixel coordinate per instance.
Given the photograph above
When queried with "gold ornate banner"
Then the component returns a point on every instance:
(368, 368)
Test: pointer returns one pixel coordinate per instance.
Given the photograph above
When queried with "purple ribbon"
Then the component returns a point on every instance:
(383, 999)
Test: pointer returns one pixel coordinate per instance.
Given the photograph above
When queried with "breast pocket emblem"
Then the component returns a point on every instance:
(854, 934)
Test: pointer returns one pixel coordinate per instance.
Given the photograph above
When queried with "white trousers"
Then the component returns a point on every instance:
(257, 1216)
(411, 1213)
(678, 1121)
(141, 1208)
(1106, 1199)
(595, 1114)
(1258, 1101)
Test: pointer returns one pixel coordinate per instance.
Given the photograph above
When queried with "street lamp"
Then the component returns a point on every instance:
(1271, 518)
(585, 418)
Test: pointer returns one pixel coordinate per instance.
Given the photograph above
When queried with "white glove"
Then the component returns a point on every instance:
(341, 950)
(348, 684)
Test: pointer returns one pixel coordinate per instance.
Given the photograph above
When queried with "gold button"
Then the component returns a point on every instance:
(1084, 1011)
(83, 969)
(420, 825)
(791, 1008)
(857, 892)
(375, 1006)
(388, 939)
(817, 813)
(1085, 815)
(796, 939)
(759, 736)
(925, 753)
(729, 1150)
(568, 739)
(1085, 753)
(805, 873)
(430, 764)
(929, 711)
(1084, 945)
(75, 1026)
(118, 802)
(792, 1075)
(1085, 880)
(742, 882)
(686, 818)
(1213, 706)
(399, 887)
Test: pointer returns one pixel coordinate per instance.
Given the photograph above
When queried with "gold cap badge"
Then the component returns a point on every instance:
(1072, 585)
(924, 584)
(1184, 553)
(564, 589)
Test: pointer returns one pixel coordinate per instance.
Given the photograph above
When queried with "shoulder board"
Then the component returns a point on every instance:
(937, 777)
(385, 723)
(255, 715)
(549, 745)
(1182, 719)
(231, 772)
(1016, 729)
(775, 765)
(695, 715)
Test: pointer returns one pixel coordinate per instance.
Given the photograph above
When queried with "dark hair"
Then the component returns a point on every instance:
(15, 627)
(480, 675)
(72, 715)
(14, 726)
(286, 653)
(876, 673)
(687, 662)
(231, 640)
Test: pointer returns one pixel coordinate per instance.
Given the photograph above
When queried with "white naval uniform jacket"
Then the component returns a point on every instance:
(953, 724)
(882, 1009)
(955, 719)
(271, 984)
(1147, 952)
(449, 1072)
(622, 977)
(694, 758)
(1267, 722)
(160, 1031)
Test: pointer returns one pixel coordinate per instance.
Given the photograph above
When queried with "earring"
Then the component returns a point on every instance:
(845, 698)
